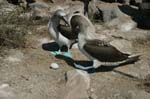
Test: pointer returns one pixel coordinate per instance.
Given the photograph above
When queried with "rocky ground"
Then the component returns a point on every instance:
(25, 73)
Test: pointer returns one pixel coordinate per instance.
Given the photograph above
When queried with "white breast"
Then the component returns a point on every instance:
(57, 36)
(81, 43)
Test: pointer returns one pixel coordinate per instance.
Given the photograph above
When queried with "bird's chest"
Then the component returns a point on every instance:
(53, 30)
(56, 35)
(81, 42)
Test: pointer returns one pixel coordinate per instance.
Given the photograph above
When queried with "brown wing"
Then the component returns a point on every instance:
(103, 51)
(67, 32)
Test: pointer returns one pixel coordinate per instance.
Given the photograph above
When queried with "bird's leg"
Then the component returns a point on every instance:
(65, 51)
(68, 54)
(56, 52)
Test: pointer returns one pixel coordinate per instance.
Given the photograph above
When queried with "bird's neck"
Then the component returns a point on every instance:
(81, 36)
(55, 21)
(82, 40)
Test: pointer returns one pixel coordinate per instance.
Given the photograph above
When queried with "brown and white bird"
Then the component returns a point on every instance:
(100, 52)
(62, 34)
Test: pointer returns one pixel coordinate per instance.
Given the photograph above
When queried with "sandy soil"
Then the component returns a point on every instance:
(29, 76)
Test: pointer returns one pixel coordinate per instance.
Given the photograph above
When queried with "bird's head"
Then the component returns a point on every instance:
(79, 23)
(60, 14)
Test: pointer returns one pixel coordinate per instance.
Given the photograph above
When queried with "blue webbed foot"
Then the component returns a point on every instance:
(55, 53)
(67, 54)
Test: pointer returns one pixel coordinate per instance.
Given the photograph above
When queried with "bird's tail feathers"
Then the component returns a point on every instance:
(133, 58)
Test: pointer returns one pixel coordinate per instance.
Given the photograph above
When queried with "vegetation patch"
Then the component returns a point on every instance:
(13, 28)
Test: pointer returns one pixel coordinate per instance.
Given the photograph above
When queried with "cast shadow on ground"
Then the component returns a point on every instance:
(70, 62)
(52, 46)
(141, 20)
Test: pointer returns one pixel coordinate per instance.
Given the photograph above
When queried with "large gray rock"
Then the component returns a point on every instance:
(77, 86)
(39, 9)
(3, 1)
(69, 8)
(108, 11)
(6, 92)
(136, 94)
(72, 7)
(123, 45)
(123, 24)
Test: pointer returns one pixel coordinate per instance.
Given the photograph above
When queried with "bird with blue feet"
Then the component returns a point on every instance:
(61, 33)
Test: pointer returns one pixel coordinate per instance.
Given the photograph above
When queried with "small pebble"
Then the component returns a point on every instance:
(54, 66)
(4, 86)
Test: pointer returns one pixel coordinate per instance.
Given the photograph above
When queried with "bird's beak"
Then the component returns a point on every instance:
(65, 20)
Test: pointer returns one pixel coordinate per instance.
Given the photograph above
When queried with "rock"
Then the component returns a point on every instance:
(40, 5)
(6, 92)
(123, 23)
(89, 7)
(14, 56)
(108, 12)
(132, 35)
(54, 66)
(137, 94)
(127, 26)
(123, 45)
(75, 6)
(77, 86)
(39, 9)
(69, 8)
(3, 1)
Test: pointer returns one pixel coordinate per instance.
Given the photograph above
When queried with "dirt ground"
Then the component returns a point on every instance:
(26, 73)
(29, 76)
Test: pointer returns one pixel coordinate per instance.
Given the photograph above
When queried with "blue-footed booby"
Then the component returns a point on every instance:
(62, 34)
(99, 51)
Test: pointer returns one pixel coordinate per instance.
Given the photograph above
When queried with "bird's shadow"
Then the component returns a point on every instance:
(52, 46)
(85, 63)
(71, 62)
